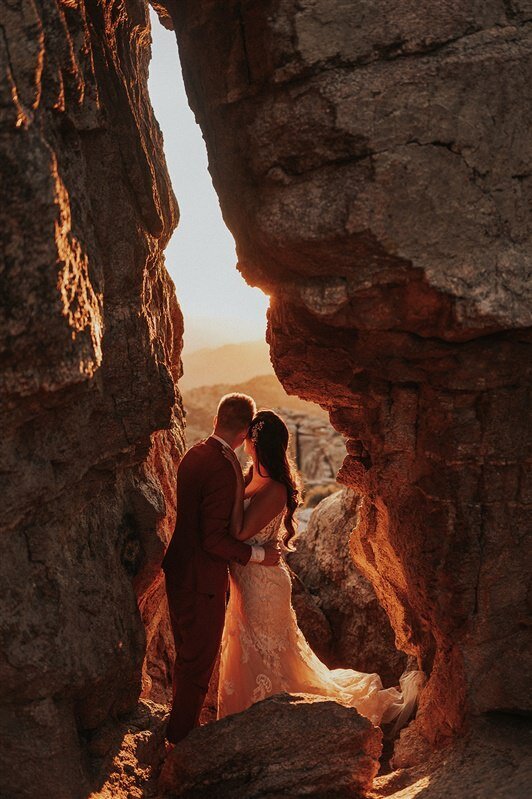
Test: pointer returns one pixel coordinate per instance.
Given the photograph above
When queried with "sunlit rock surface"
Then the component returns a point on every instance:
(373, 164)
(126, 757)
(90, 339)
(360, 634)
(287, 745)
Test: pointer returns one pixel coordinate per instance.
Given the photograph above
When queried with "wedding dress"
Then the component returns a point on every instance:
(264, 652)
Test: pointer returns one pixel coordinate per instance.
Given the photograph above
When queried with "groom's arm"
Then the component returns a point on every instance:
(215, 514)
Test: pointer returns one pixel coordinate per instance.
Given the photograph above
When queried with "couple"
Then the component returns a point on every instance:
(224, 519)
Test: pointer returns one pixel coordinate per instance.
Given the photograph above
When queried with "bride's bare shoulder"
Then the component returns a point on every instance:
(273, 492)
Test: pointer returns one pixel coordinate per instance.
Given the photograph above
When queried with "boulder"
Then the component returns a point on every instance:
(360, 633)
(286, 745)
(311, 619)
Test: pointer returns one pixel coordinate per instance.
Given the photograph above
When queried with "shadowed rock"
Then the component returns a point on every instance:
(90, 341)
(361, 636)
(287, 745)
(492, 761)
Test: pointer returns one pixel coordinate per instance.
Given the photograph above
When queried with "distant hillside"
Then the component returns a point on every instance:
(266, 390)
(317, 448)
(228, 365)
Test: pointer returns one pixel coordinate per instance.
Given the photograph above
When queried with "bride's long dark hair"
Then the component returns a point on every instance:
(270, 435)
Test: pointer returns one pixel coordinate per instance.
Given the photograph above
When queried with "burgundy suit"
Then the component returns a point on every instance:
(195, 567)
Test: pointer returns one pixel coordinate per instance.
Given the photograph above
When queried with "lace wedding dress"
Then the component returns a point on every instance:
(264, 652)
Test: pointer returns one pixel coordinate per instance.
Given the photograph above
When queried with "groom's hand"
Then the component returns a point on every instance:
(272, 554)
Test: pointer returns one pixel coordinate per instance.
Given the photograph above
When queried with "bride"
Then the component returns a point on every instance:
(263, 650)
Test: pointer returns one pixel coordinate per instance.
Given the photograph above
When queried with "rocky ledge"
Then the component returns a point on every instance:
(287, 745)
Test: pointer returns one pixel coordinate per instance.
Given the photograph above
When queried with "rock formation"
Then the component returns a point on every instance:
(266, 752)
(360, 634)
(373, 164)
(90, 336)
(311, 619)
(492, 760)
(126, 757)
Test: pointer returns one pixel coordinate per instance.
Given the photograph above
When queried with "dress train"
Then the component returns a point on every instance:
(264, 652)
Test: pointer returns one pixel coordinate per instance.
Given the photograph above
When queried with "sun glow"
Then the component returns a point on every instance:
(218, 306)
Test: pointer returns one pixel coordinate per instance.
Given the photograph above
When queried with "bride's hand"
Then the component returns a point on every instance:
(237, 513)
(235, 463)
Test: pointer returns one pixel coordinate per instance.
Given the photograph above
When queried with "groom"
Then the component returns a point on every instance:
(197, 558)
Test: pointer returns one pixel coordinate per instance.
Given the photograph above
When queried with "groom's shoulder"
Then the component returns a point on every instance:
(203, 450)
(203, 447)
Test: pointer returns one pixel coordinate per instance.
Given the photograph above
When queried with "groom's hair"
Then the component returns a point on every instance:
(235, 411)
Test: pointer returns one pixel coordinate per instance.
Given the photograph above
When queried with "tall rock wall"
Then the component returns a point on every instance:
(90, 338)
(373, 162)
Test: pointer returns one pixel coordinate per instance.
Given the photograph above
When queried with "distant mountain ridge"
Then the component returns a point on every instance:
(266, 390)
(229, 364)
(319, 450)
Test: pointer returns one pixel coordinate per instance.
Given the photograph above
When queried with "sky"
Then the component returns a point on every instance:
(218, 306)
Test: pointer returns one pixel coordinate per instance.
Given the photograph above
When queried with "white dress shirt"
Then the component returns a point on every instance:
(257, 552)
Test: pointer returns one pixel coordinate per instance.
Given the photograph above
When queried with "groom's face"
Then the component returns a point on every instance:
(240, 438)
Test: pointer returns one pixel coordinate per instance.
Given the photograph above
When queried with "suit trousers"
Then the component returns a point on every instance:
(197, 621)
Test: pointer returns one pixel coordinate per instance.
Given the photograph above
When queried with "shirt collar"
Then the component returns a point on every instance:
(221, 440)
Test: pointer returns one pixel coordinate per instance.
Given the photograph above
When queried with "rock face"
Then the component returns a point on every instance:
(311, 619)
(372, 162)
(493, 760)
(287, 745)
(126, 757)
(90, 338)
(361, 636)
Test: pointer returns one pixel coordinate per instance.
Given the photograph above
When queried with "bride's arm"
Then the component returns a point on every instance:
(265, 506)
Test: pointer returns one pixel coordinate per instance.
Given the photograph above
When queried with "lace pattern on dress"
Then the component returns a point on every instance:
(264, 652)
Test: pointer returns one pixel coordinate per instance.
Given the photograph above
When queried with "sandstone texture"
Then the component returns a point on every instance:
(126, 757)
(361, 636)
(373, 164)
(90, 339)
(492, 760)
(287, 745)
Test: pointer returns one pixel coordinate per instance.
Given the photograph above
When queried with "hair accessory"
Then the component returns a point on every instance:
(256, 428)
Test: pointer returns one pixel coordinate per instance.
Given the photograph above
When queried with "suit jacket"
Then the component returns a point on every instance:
(201, 547)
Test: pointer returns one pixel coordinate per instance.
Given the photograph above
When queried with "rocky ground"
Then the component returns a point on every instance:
(264, 754)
